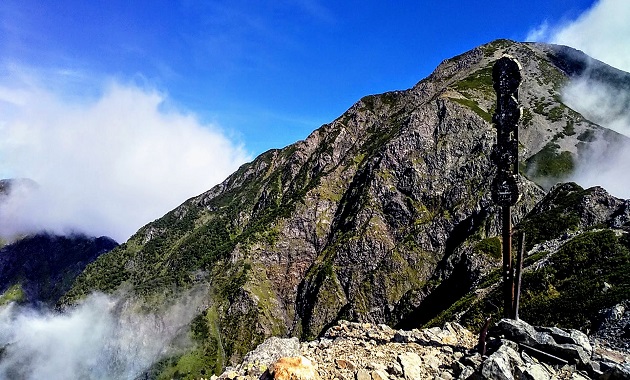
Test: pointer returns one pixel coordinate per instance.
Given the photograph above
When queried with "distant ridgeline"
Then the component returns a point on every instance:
(39, 269)
(385, 215)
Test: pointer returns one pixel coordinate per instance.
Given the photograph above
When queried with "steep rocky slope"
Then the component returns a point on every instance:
(383, 215)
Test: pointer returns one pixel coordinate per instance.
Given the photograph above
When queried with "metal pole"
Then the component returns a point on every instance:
(508, 278)
(519, 271)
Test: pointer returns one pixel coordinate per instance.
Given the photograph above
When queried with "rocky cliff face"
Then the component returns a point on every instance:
(375, 217)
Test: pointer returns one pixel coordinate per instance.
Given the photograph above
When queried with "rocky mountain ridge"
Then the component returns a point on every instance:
(382, 216)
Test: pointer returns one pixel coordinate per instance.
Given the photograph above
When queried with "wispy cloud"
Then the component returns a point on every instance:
(605, 162)
(602, 31)
(539, 33)
(105, 165)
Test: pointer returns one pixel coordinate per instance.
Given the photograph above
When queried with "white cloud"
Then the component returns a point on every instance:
(102, 338)
(602, 31)
(600, 102)
(539, 33)
(106, 164)
(605, 162)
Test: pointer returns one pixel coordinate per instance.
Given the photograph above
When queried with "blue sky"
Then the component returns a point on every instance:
(267, 72)
(121, 110)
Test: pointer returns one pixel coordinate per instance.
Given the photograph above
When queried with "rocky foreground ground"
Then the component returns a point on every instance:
(362, 351)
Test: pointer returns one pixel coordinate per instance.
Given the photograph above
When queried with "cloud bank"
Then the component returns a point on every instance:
(99, 339)
(104, 164)
(605, 163)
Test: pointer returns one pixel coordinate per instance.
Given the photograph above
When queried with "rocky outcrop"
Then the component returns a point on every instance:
(614, 325)
(376, 352)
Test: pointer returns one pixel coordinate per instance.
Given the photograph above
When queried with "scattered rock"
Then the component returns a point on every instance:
(572, 346)
(379, 375)
(345, 364)
(361, 351)
(614, 327)
(536, 372)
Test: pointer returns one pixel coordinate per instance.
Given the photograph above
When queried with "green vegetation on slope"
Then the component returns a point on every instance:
(567, 287)
(474, 106)
(560, 215)
(568, 291)
(489, 246)
(550, 163)
(13, 294)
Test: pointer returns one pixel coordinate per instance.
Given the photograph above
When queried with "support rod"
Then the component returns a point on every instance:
(508, 278)
(518, 276)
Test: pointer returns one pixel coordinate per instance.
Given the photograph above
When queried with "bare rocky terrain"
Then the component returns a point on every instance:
(362, 351)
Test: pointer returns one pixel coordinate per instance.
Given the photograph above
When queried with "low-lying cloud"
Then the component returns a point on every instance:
(603, 32)
(605, 162)
(603, 103)
(102, 338)
(105, 165)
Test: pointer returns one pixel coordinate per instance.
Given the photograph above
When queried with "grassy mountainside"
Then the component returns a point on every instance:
(383, 215)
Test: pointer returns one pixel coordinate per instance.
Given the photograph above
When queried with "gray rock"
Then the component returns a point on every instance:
(579, 376)
(395, 369)
(614, 326)
(518, 331)
(410, 363)
(536, 372)
(572, 346)
(272, 349)
(571, 336)
(501, 365)
(466, 373)
(571, 352)
(474, 360)
(526, 358)
(403, 336)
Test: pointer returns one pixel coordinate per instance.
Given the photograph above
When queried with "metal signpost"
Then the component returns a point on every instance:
(506, 77)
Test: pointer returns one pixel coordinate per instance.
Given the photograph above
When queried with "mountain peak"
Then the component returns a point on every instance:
(375, 217)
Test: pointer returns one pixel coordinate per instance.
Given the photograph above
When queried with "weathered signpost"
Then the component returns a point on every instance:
(506, 78)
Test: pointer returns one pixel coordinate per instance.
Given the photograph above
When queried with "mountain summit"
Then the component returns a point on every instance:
(383, 216)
